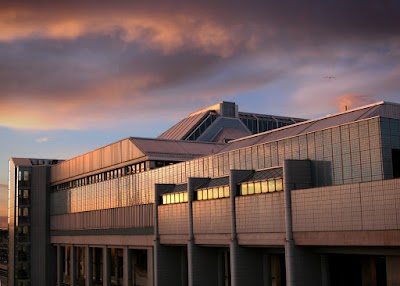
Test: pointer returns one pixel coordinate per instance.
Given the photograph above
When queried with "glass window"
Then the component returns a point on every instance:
(271, 185)
(226, 191)
(257, 187)
(221, 192)
(177, 198)
(264, 186)
(210, 193)
(19, 175)
(279, 185)
(244, 189)
(25, 230)
(250, 188)
(26, 176)
(200, 195)
(25, 212)
(181, 200)
(205, 194)
(215, 193)
(164, 199)
(185, 197)
(168, 199)
(172, 198)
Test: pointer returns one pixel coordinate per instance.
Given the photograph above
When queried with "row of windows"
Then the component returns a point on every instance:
(213, 193)
(174, 198)
(248, 188)
(261, 125)
(112, 174)
(269, 186)
(202, 127)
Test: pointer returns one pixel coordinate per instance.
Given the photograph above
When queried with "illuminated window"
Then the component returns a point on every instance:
(264, 186)
(210, 193)
(257, 187)
(175, 198)
(215, 193)
(271, 186)
(279, 185)
(243, 189)
(200, 195)
(250, 188)
(221, 192)
(226, 192)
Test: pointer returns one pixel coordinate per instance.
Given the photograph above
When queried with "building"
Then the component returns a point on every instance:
(316, 202)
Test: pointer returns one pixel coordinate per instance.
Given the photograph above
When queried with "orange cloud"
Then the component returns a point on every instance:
(350, 101)
(155, 30)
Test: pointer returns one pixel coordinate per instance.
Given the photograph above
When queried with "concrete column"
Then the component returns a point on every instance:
(60, 261)
(150, 266)
(192, 185)
(392, 270)
(302, 266)
(106, 266)
(127, 267)
(72, 265)
(88, 266)
(235, 177)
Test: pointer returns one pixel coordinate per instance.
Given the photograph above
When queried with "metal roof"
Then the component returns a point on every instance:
(368, 111)
(157, 148)
(184, 127)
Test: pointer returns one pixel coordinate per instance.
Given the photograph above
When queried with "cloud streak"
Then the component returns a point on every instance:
(76, 66)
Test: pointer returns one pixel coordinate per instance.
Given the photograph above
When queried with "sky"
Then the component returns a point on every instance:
(77, 75)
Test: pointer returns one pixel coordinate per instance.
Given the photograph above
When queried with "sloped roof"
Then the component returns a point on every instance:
(385, 109)
(180, 130)
(157, 149)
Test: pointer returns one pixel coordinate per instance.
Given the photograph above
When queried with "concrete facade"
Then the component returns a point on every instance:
(316, 203)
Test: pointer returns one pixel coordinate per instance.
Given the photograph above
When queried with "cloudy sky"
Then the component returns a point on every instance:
(75, 76)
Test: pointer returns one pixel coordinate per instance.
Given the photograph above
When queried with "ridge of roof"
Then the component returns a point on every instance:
(311, 121)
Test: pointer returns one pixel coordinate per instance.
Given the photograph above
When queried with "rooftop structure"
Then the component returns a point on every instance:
(311, 203)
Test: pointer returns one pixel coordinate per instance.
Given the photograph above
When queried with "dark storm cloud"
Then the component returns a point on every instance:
(101, 58)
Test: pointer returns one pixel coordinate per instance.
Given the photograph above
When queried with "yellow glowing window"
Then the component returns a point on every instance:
(200, 195)
(226, 191)
(257, 187)
(250, 188)
(215, 193)
(264, 187)
(205, 195)
(185, 197)
(221, 192)
(168, 199)
(244, 189)
(279, 185)
(172, 199)
(271, 185)
(181, 200)
(210, 193)
(177, 198)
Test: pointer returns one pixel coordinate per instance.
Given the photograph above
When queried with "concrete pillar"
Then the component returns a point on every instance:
(106, 266)
(237, 275)
(60, 262)
(150, 267)
(127, 267)
(302, 266)
(392, 270)
(72, 264)
(193, 271)
(88, 266)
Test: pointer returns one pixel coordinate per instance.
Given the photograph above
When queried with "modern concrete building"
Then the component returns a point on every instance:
(316, 202)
